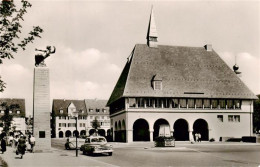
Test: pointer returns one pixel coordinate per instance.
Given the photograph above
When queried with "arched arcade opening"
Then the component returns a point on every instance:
(141, 130)
(181, 130)
(156, 127)
(201, 126)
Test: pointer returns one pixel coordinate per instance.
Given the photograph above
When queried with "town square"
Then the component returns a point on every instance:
(129, 83)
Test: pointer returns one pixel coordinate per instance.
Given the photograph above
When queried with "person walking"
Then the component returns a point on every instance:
(21, 146)
(32, 142)
(16, 141)
(3, 145)
(199, 137)
(196, 137)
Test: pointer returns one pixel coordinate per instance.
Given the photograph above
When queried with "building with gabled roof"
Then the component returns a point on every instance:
(17, 111)
(63, 125)
(189, 88)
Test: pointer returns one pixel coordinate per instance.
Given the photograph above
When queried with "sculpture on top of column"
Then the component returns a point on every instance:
(39, 58)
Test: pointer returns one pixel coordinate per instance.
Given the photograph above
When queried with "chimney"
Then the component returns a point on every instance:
(208, 47)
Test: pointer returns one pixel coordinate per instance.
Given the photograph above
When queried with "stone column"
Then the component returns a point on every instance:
(151, 135)
(114, 135)
(41, 109)
(191, 135)
(129, 136)
(172, 133)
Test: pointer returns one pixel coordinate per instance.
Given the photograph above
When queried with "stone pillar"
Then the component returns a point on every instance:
(114, 135)
(191, 136)
(172, 133)
(151, 135)
(129, 136)
(41, 110)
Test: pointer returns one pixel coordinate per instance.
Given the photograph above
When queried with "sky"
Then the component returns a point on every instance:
(94, 38)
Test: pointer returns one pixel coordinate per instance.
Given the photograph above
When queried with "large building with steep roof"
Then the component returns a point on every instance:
(191, 89)
(63, 125)
(17, 110)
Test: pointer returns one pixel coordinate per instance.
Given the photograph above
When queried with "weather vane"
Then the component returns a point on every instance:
(39, 58)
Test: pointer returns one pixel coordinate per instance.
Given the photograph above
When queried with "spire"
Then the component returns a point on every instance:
(152, 32)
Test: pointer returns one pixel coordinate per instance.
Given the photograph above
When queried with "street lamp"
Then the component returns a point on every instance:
(75, 114)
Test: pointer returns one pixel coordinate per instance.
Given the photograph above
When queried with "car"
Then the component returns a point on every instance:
(96, 145)
(71, 143)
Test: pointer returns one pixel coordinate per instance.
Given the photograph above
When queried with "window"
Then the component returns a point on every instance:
(149, 102)
(90, 110)
(230, 104)
(62, 124)
(191, 103)
(132, 102)
(222, 104)
(237, 104)
(220, 118)
(18, 111)
(97, 110)
(10, 112)
(175, 103)
(157, 85)
(198, 103)
(234, 118)
(183, 103)
(140, 102)
(237, 118)
(206, 103)
(104, 110)
(158, 103)
(166, 103)
(91, 117)
(214, 103)
(2, 111)
(61, 111)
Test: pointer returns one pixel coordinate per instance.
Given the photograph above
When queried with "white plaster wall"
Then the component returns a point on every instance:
(216, 128)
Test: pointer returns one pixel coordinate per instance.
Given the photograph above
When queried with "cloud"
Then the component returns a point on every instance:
(86, 74)
(82, 74)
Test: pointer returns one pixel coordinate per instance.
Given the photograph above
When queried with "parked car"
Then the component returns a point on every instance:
(96, 145)
(71, 143)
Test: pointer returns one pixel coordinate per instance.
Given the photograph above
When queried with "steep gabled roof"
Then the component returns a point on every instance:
(96, 104)
(63, 104)
(185, 72)
(20, 102)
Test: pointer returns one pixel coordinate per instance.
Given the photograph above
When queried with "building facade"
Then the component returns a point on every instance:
(17, 110)
(64, 125)
(191, 89)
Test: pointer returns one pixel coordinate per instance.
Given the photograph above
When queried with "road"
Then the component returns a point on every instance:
(184, 154)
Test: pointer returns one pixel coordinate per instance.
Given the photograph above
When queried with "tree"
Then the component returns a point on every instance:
(7, 118)
(256, 114)
(96, 124)
(10, 30)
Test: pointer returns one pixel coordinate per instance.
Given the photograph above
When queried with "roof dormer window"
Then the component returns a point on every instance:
(61, 111)
(157, 85)
(157, 82)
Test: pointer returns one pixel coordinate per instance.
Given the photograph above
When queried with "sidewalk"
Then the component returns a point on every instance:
(55, 158)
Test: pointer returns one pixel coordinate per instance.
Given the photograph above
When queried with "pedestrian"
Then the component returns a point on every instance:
(21, 146)
(16, 141)
(3, 145)
(32, 142)
(199, 137)
(11, 140)
(196, 137)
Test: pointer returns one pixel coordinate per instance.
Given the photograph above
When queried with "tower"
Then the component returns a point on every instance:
(152, 32)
